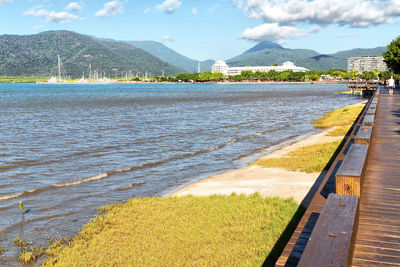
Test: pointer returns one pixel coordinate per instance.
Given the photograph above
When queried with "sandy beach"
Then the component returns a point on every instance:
(266, 181)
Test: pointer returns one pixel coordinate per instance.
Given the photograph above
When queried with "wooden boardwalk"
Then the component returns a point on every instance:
(378, 237)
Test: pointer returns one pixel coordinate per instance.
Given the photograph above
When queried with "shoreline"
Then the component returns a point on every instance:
(268, 182)
(212, 82)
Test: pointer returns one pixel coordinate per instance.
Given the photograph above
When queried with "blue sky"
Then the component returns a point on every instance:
(206, 29)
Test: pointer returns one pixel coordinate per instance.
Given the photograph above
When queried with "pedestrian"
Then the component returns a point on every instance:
(391, 85)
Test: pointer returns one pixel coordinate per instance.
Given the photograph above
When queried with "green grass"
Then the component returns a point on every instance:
(314, 158)
(340, 131)
(28, 253)
(234, 230)
(308, 159)
(339, 117)
(21, 79)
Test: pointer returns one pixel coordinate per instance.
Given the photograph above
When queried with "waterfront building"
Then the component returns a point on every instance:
(221, 66)
(366, 63)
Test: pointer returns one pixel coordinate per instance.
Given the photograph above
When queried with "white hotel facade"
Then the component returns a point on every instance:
(222, 67)
(366, 63)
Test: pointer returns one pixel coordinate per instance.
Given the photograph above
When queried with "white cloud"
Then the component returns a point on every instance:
(166, 38)
(52, 16)
(213, 8)
(111, 8)
(346, 35)
(194, 11)
(3, 2)
(350, 13)
(314, 29)
(74, 6)
(393, 8)
(147, 10)
(169, 6)
(272, 32)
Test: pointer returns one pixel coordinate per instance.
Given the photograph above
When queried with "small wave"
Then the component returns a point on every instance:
(7, 167)
(89, 179)
(130, 186)
(27, 192)
(141, 166)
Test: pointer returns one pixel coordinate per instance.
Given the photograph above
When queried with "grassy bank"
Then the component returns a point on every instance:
(314, 158)
(21, 79)
(308, 159)
(234, 230)
(339, 117)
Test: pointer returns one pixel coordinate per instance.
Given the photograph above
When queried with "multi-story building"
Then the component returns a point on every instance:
(221, 66)
(366, 63)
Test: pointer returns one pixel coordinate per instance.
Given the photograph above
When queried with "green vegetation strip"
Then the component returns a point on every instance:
(339, 131)
(234, 230)
(314, 158)
(339, 117)
(21, 79)
(308, 159)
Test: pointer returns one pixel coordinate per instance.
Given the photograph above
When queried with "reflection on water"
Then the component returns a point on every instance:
(68, 149)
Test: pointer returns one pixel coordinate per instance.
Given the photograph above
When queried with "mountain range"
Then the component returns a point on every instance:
(36, 55)
(268, 53)
(172, 57)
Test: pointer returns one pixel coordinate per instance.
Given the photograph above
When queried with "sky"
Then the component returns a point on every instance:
(219, 29)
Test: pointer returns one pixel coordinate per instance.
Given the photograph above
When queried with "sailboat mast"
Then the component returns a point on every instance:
(59, 67)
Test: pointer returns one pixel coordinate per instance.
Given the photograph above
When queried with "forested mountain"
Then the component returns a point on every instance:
(171, 56)
(268, 53)
(36, 55)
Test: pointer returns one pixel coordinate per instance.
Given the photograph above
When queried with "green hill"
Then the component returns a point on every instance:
(171, 56)
(36, 55)
(268, 53)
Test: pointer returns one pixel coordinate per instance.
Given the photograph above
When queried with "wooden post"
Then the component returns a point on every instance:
(332, 240)
(348, 177)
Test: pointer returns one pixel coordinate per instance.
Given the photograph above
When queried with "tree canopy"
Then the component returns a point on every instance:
(392, 55)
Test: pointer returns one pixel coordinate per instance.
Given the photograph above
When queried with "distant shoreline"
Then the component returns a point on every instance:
(222, 83)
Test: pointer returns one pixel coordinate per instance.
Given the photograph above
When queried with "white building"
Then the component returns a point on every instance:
(221, 66)
(366, 63)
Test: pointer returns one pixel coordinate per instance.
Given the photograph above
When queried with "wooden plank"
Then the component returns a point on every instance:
(363, 135)
(330, 243)
(290, 257)
(378, 236)
(371, 111)
(348, 177)
(368, 120)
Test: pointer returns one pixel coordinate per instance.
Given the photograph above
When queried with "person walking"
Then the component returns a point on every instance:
(391, 85)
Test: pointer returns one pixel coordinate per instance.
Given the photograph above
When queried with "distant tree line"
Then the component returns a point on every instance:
(275, 76)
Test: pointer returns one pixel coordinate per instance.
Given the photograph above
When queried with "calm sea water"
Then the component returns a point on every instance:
(66, 150)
